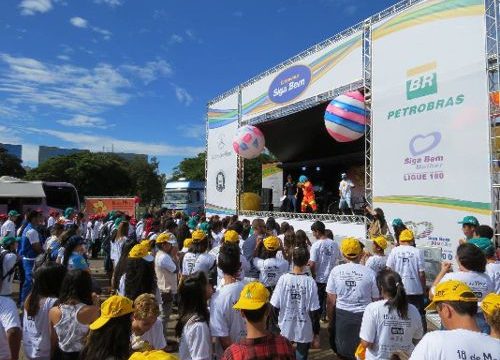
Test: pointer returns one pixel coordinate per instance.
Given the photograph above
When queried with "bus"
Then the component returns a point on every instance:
(21, 195)
(185, 195)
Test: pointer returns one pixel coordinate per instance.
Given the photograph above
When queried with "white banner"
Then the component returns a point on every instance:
(221, 158)
(329, 68)
(430, 119)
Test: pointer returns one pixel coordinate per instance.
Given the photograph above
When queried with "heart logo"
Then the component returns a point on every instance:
(420, 144)
(421, 230)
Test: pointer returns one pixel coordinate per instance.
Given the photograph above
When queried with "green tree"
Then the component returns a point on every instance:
(252, 181)
(10, 165)
(191, 168)
(148, 183)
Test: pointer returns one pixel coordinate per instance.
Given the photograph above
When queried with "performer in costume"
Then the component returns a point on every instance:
(308, 198)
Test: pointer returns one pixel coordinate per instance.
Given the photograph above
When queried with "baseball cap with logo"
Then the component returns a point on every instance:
(469, 220)
(115, 306)
(13, 213)
(490, 303)
(381, 241)
(166, 237)
(406, 235)
(452, 290)
(252, 297)
(152, 355)
(350, 247)
(141, 251)
(231, 237)
(198, 235)
(271, 243)
(484, 244)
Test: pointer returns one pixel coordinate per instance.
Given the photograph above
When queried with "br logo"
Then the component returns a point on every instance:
(421, 81)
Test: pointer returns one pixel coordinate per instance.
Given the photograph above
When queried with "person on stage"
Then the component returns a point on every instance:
(345, 188)
(291, 192)
(308, 199)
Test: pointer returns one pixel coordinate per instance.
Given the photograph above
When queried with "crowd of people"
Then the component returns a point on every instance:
(240, 289)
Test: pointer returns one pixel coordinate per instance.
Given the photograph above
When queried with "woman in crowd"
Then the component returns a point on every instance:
(59, 246)
(53, 241)
(378, 225)
(109, 337)
(121, 266)
(471, 271)
(377, 261)
(182, 232)
(381, 317)
(270, 267)
(37, 342)
(216, 234)
(196, 259)
(398, 226)
(350, 288)
(139, 277)
(192, 327)
(71, 319)
(73, 258)
(302, 238)
(120, 239)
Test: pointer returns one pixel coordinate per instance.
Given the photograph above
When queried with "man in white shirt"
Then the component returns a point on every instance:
(10, 329)
(9, 227)
(8, 260)
(345, 189)
(408, 262)
(456, 305)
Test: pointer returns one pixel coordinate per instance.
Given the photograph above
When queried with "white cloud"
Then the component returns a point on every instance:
(78, 22)
(111, 3)
(88, 91)
(176, 39)
(183, 96)
(238, 13)
(30, 154)
(31, 7)
(9, 135)
(96, 142)
(192, 131)
(63, 57)
(85, 121)
(151, 71)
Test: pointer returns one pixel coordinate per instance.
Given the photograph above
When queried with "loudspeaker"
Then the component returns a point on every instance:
(266, 196)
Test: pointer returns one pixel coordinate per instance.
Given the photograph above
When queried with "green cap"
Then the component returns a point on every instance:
(484, 244)
(13, 213)
(68, 212)
(8, 240)
(118, 221)
(397, 222)
(469, 220)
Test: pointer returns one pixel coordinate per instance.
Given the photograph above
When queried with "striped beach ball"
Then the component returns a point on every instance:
(248, 142)
(345, 117)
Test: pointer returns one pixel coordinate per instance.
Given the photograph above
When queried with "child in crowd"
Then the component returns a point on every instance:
(37, 342)
(147, 328)
(231, 237)
(491, 310)
(196, 259)
(265, 261)
(139, 276)
(192, 327)
(377, 261)
(73, 254)
(296, 298)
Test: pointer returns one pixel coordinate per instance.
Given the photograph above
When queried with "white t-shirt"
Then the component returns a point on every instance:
(116, 249)
(387, 331)
(217, 238)
(493, 270)
(345, 188)
(9, 319)
(196, 342)
(270, 270)
(32, 236)
(197, 262)
(456, 344)
(153, 336)
(408, 262)
(9, 261)
(296, 296)
(480, 283)
(8, 229)
(51, 221)
(224, 320)
(325, 254)
(376, 262)
(36, 331)
(245, 267)
(354, 285)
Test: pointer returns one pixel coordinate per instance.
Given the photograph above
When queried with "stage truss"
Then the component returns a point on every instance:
(354, 219)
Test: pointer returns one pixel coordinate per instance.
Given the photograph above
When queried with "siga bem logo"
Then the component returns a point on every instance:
(422, 93)
(289, 84)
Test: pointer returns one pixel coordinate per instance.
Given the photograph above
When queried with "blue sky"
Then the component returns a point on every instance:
(136, 75)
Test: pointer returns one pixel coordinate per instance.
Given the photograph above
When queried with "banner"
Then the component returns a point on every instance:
(103, 205)
(272, 178)
(324, 70)
(430, 119)
(222, 161)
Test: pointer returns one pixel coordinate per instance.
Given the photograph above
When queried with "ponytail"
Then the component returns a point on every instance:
(390, 283)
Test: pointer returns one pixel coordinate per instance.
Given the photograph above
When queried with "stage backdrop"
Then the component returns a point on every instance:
(430, 119)
(272, 178)
(324, 70)
(221, 159)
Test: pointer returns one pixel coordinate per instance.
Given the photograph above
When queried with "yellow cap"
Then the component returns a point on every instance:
(406, 235)
(351, 247)
(272, 243)
(198, 235)
(141, 251)
(253, 296)
(166, 237)
(381, 241)
(187, 242)
(231, 237)
(490, 303)
(452, 290)
(115, 306)
(153, 355)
